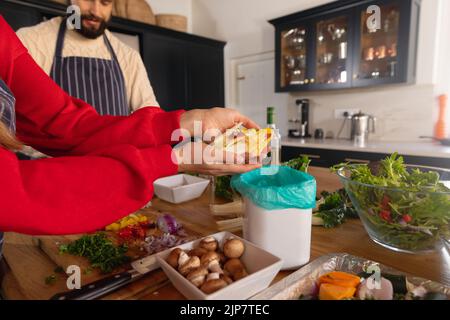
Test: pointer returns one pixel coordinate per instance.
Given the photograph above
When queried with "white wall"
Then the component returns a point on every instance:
(243, 24)
(182, 7)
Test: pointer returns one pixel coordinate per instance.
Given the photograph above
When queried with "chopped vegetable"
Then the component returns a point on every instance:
(131, 220)
(341, 279)
(51, 280)
(99, 250)
(332, 292)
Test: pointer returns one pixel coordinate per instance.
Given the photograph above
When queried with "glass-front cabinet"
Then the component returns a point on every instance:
(347, 44)
(293, 68)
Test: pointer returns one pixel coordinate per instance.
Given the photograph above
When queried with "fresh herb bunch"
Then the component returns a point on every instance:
(409, 209)
(99, 250)
(301, 163)
(335, 209)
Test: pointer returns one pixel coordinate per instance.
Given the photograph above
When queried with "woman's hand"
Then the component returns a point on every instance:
(198, 157)
(213, 119)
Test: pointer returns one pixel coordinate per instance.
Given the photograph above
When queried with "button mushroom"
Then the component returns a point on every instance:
(211, 260)
(235, 269)
(226, 278)
(233, 248)
(172, 259)
(191, 264)
(213, 285)
(182, 258)
(198, 252)
(209, 244)
(197, 276)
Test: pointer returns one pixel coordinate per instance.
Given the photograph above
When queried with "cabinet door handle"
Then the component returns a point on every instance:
(241, 78)
(311, 156)
(357, 160)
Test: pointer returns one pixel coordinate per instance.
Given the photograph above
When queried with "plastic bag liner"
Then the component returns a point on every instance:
(286, 188)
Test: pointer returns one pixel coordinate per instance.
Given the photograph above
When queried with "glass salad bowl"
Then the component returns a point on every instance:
(409, 214)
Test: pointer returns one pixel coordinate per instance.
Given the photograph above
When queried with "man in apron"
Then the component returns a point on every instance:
(90, 63)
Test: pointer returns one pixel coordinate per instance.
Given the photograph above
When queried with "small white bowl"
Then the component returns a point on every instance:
(261, 265)
(180, 188)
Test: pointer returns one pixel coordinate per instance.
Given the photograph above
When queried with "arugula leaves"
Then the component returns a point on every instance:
(405, 208)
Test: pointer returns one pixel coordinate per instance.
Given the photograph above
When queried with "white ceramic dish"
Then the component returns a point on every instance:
(261, 265)
(180, 188)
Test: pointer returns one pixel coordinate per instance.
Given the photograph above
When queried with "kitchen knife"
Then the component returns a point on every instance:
(109, 284)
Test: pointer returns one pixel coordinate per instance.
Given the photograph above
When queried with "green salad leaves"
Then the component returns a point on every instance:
(405, 208)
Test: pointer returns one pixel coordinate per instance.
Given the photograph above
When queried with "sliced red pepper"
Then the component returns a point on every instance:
(126, 233)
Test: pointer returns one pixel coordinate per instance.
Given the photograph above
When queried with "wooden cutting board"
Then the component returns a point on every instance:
(50, 245)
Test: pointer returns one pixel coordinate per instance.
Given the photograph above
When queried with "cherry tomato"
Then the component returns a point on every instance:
(386, 215)
(407, 218)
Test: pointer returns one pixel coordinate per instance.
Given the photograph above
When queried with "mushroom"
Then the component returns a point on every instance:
(182, 258)
(213, 285)
(198, 252)
(226, 278)
(233, 248)
(209, 244)
(233, 265)
(235, 269)
(239, 274)
(172, 259)
(211, 260)
(214, 266)
(213, 276)
(191, 264)
(197, 276)
(210, 256)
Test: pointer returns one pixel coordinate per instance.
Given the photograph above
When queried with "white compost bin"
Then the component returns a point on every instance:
(286, 233)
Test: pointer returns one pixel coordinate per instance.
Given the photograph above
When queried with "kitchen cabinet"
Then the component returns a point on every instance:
(186, 71)
(335, 47)
(326, 157)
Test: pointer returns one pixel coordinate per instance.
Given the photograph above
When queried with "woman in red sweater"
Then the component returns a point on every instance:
(103, 166)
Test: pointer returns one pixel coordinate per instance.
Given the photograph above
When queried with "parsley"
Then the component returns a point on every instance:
(99, 250)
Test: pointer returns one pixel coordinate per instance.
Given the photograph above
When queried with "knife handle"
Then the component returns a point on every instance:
(96, 289)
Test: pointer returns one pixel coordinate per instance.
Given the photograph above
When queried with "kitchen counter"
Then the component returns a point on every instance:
(419, 149)
(23, 253)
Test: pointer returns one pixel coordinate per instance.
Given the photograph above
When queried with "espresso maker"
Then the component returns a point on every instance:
(300, 124)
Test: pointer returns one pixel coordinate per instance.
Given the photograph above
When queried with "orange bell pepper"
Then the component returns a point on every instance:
(332, 292)
(341, 279)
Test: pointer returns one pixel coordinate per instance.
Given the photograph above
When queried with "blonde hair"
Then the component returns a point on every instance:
(7, 140)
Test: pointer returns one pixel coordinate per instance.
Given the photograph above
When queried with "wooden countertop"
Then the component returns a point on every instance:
(29, 265)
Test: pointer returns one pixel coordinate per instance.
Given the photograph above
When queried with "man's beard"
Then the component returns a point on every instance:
(89, 32)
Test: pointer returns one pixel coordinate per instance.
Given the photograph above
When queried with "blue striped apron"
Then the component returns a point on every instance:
(99, 82)
(8, 117)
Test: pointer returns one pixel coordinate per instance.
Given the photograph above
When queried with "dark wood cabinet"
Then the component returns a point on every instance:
(186, 71)
(327, 158)
(335, 47)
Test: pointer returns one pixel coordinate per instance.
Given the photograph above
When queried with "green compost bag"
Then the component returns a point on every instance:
(277, 187)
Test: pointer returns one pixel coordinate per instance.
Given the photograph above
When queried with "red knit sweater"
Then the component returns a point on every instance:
(104, 167)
